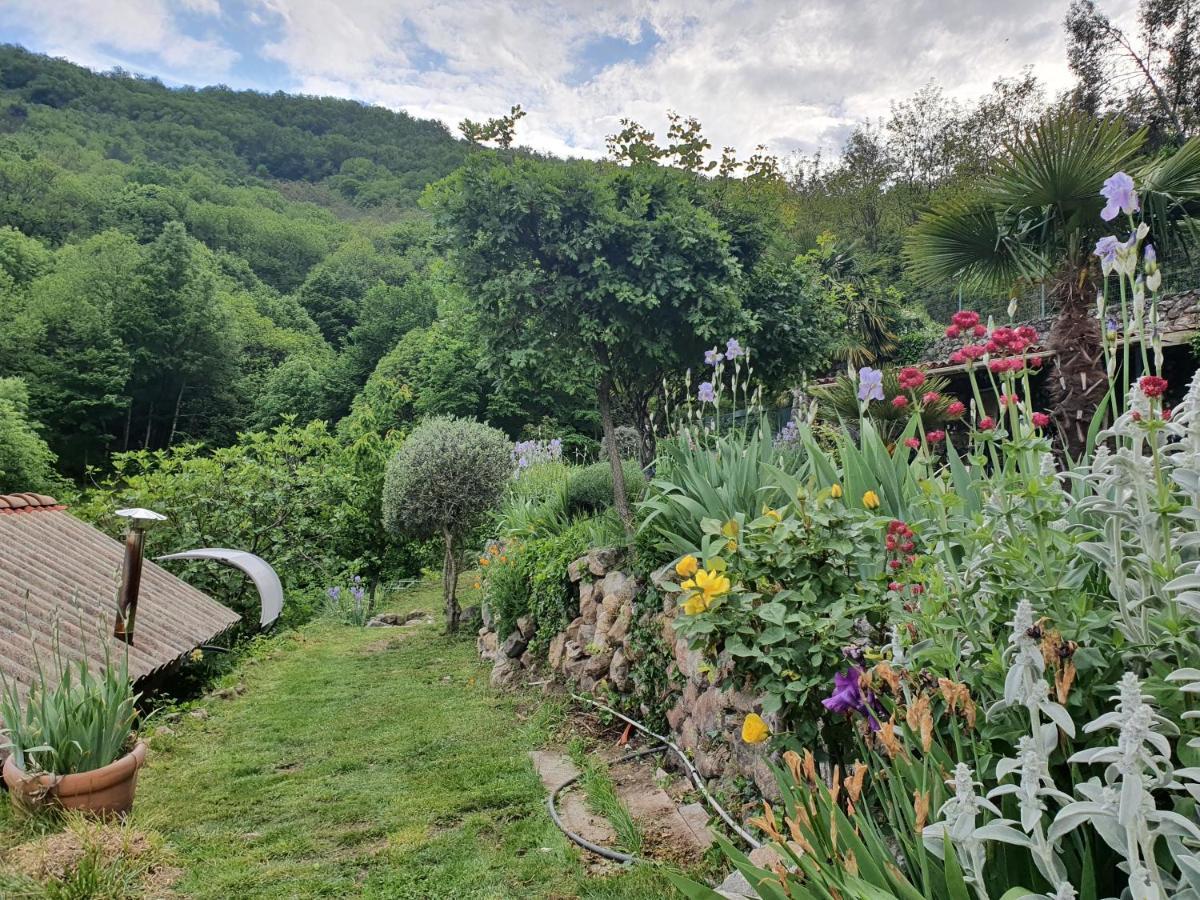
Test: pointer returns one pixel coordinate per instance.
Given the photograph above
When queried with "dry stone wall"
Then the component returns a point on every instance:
(597, 652)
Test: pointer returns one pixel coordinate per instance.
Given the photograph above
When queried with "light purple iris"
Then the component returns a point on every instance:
(870, 383)
(706, 394)
(733, 349)
(1106, 249)
(1118, 190)
(334, 593)
(1150, 255)
(713, 356)
(358, 592)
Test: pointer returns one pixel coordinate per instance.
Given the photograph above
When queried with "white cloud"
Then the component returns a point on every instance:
(100, 33)
(753, 71)
(776, 72)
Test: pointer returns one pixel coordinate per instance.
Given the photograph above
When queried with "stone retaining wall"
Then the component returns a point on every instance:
(596, 651)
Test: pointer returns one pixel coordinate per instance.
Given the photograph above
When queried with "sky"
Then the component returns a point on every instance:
(794, 75)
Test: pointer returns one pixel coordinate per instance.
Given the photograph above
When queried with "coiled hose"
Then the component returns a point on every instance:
(664, 744)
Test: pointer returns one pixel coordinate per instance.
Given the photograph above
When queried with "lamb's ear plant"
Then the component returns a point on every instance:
(74, 718)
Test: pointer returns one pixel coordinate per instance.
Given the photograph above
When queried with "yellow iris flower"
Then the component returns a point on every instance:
(754, 729)
(836, 492)
(687, 566)
(871, 500)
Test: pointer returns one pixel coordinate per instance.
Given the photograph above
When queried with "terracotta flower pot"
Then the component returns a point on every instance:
(108, 789)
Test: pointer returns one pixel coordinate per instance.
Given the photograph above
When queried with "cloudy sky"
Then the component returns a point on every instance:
(791, 74)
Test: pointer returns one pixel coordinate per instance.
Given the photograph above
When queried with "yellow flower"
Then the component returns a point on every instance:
(772, 514)
(871, 500)
(687, 566)
(484, 561)
(730, 528)
(196, 655)
(689, 585)
(836, 492)
(712, 584)
(695, 603)
(477, 585)
(754, 729)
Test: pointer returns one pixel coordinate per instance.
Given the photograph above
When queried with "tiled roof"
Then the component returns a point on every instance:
(15, 503)
(56, 568)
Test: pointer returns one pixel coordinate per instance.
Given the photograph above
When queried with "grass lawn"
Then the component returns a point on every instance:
(364, 762)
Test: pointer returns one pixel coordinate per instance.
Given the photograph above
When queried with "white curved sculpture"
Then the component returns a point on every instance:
(270, 589)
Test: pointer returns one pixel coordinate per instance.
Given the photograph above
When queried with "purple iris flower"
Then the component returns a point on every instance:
(733, 349)
(334, 593)
(848, 697)
(1150, 255)
(712, 357)
(1118, 190)
(358, 593)
(706, 394)
(870, 384)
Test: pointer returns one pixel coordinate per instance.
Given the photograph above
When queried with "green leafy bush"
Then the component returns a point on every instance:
(530, 578)
(590, 488)
(447, 476)
(26, 463)
(298, 497)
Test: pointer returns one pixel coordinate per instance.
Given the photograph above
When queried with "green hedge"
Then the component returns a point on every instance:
(590, 488)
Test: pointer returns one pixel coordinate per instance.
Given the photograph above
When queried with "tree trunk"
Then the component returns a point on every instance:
(620, 497)
(175, 416)
(1078, 381)
(128, 424)
(648, 441)
(149, 422)
(450, 583)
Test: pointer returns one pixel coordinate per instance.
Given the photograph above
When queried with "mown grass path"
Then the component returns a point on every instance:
(366, 762)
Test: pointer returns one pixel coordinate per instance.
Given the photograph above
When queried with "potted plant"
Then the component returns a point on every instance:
(71, 741)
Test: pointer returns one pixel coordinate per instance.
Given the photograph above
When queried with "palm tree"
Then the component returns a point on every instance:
(1036, 221)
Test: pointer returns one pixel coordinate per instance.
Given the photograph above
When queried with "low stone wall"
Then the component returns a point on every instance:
(597, 651)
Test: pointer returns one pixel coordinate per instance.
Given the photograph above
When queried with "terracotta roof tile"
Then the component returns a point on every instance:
(10, 503)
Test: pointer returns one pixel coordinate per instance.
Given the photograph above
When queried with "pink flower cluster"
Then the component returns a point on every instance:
(963, 323)
(911, 378)
(1007, 345)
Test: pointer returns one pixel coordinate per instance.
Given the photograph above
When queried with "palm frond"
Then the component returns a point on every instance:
(962, 239)
(1170, 194)
(1059, 165)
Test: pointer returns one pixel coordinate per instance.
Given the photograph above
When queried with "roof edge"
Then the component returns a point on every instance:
(28, 502)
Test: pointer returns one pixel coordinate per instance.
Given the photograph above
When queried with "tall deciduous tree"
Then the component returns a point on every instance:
(616, 271)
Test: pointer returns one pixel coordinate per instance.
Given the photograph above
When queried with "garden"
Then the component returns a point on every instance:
(872, 607)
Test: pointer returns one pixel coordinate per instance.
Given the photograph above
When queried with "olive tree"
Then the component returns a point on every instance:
(445, 477)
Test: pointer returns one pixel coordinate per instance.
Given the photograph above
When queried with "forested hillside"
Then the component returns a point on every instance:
(182, 264)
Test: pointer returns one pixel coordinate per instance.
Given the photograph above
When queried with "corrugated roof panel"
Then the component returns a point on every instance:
(54, 567)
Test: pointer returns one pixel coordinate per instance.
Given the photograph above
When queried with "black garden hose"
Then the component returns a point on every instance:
(664, 744)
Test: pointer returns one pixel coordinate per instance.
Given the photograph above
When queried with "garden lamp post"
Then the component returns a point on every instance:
(140, 521)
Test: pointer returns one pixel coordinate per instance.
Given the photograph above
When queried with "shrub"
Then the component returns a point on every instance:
(629, 443)
(590, 488)
(530, 578)
(294, 496)
(442, 482)
(26, 463)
